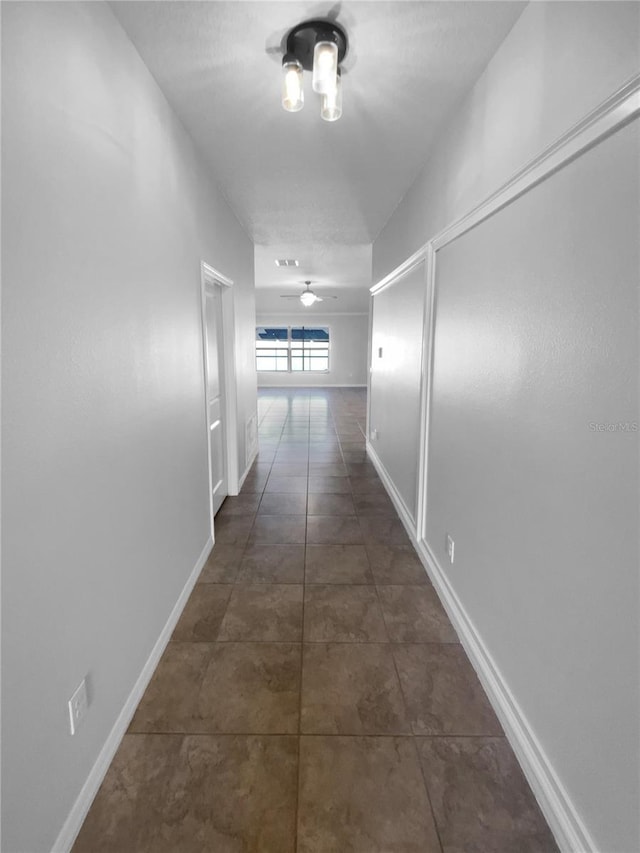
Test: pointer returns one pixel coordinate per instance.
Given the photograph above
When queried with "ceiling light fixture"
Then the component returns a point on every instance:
(307, 297)
(317, 46)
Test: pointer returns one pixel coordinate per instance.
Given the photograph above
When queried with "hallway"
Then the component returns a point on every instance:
(314, 696)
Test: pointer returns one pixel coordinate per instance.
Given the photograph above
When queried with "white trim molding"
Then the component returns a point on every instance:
(394, 494)
(612, 114)
(78, 813)
(209, 278)
(428, 326)
(212, 276)
(402, 269)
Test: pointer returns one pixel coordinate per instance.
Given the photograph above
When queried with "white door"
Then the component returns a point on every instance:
(214, 369)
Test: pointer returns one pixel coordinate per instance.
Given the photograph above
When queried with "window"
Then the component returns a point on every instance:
(272, 349)
(294, 349)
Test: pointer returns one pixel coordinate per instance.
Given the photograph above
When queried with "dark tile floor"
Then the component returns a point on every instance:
(314, 696)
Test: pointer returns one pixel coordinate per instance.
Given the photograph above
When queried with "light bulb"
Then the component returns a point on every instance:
(325, 66)
(308, 298)
(292, 91)
(331, 105)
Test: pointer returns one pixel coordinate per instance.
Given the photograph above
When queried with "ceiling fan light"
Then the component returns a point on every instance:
(331, 107)
(292, 85)
(325, 66)
(308, 298)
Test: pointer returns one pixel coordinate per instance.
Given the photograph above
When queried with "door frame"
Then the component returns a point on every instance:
(210, 278)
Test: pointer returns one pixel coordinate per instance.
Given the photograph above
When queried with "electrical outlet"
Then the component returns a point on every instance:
(78, 706)
(450, 548)
(374, 435)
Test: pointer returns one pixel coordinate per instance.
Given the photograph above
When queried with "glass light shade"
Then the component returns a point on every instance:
(325, 66)
(331, 106)
(292, 87)
(307, 298)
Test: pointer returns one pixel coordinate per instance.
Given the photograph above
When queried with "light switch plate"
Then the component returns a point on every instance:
(78, 706)
(450, 548)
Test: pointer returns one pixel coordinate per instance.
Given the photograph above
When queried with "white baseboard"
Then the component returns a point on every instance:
(564, 821)
(252, 459)
(403, 511)
(75, 819)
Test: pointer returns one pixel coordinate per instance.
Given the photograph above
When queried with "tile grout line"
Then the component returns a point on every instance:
(299, 738)
(324, 735)
(426, 788)
(387, 644)
(402, 694)
(410, 721)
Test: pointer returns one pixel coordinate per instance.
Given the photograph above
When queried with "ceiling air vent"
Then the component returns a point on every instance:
(287, 262)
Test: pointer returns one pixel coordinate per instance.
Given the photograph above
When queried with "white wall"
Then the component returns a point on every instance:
(536, 337)
(560, 60)
(348, 356)
(106, 215)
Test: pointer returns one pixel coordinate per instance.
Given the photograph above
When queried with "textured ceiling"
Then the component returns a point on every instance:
(333, 268)
(299, 184)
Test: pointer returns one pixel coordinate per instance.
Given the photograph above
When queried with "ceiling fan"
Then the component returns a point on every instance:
(307, 297)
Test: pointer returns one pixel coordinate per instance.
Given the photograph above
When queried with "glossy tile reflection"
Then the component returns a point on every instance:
(364, 795)
(314, 697)
(480, 797)
(193, 793)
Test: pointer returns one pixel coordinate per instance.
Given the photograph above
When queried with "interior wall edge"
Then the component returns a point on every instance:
(76, 816)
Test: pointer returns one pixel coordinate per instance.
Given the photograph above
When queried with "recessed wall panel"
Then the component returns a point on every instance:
(396, 371)
(533, 463)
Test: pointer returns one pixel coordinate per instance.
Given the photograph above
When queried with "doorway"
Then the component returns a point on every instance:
(218, 377)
